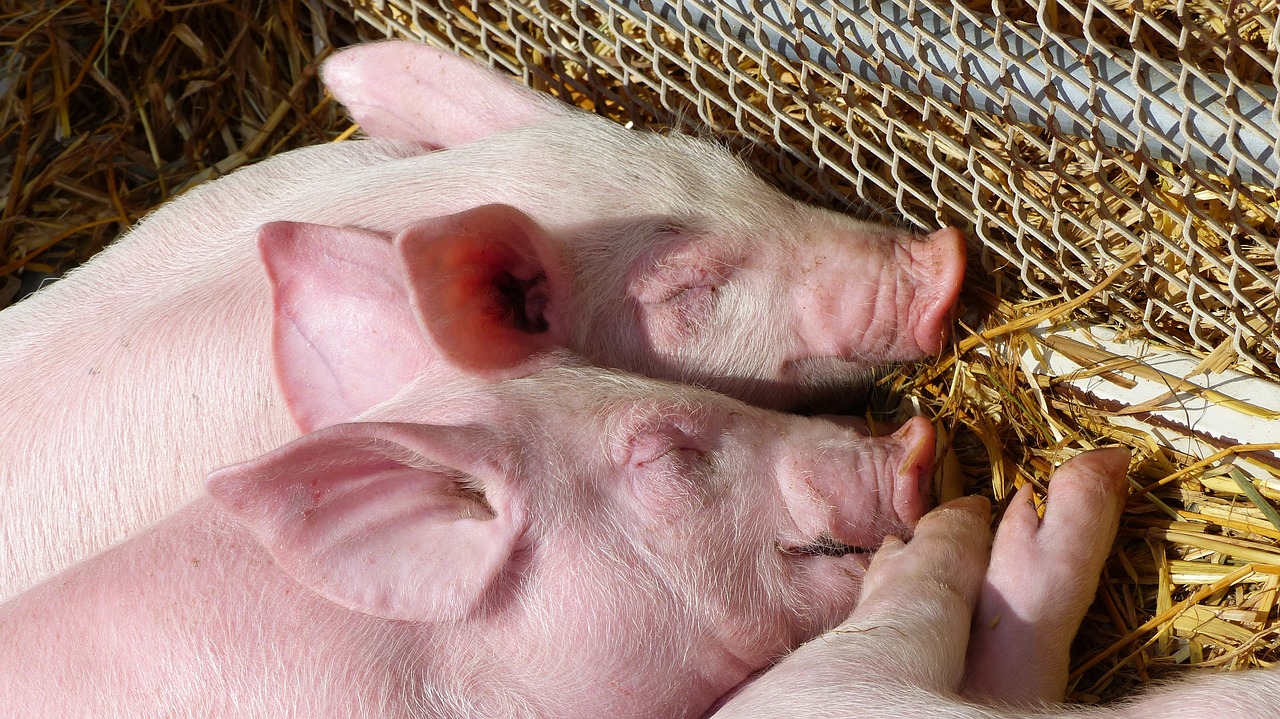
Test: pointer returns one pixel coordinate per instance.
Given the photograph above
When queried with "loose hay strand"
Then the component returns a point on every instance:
(1163, 618)
(1250, 491)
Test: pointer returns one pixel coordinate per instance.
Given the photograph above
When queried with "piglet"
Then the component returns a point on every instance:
(542, 538)
(539, 223)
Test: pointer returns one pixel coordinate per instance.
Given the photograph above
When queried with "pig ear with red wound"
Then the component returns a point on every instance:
(405, 90)
(487, 288)
(344, 337)
(403, 522)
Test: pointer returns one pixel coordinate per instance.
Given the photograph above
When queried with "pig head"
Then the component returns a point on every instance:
(677, 261)
(591, 543)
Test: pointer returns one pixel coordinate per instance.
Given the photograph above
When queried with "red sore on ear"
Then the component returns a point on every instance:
(483, 285)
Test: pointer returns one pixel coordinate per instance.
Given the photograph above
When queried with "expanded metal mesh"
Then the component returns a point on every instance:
(1069, 138)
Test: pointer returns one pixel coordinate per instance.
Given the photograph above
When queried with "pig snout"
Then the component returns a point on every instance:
(938, 263)
(897, 305)
(849, 491)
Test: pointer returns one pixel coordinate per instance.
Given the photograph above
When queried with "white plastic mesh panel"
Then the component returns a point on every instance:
(1067, 137)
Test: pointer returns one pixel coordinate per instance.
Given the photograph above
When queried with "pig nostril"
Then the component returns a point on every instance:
(942, 260)
(524, 301)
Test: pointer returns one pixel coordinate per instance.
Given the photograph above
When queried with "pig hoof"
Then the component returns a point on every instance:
(1042, 578)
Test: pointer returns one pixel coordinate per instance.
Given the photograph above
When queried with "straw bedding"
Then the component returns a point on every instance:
(111, 109)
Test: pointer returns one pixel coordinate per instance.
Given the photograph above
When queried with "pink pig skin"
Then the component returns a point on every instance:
(561, 540)
(662, 255)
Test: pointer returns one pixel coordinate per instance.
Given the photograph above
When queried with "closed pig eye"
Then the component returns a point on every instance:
(682, 299)
(671, 484)
(663, 447)
(670, 461)
(664, 431)
(672, 282)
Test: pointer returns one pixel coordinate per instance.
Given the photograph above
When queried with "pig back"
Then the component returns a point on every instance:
(152, 360)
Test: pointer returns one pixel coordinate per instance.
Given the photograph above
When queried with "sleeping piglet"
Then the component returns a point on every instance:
(658, 254)
(537, 538)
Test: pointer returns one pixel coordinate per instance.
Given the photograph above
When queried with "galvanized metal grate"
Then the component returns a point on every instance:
(1069, 138)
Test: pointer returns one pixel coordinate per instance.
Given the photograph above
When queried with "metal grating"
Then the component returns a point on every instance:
(1068, 138)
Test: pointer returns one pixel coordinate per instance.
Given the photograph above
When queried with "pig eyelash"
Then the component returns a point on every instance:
(679, 280)
(694, 304)
(686, 310)
(687, 457)
(667, 441)
(674, 452)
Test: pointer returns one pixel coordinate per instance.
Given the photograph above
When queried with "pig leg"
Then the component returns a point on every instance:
(908, 634)
(910, 622)
(1042, 578)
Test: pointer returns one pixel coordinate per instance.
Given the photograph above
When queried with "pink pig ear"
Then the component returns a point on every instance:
(485, 286)
(397, 521)
(408, 91)
(345, 337)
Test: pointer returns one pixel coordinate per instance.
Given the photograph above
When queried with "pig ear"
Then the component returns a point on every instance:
(344, 335)
(486, 288)
(408, 91)
(385, 519)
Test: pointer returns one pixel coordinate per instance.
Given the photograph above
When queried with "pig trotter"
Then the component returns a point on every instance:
(1042, 578)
